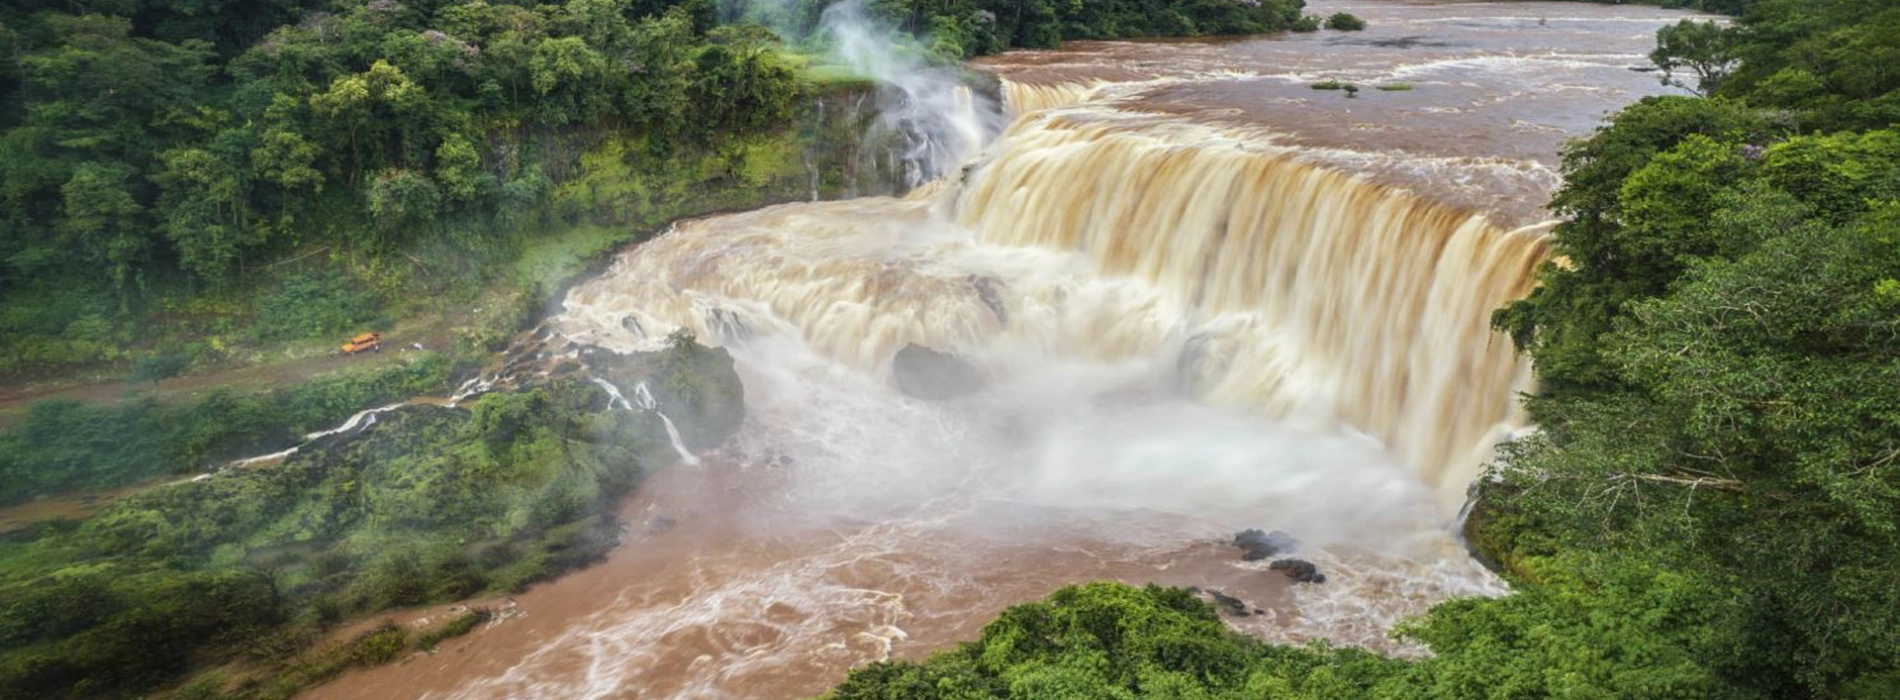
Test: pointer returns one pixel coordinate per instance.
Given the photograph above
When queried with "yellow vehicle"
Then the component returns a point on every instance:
(368, 341)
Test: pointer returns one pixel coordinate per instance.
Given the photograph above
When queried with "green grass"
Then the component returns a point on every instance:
(831, 75)
(559, 254)
(1396, 87)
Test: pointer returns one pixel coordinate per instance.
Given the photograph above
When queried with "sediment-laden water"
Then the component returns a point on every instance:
(1202, 296)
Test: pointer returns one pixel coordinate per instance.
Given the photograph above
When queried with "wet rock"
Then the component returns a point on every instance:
(1263, 545)
(1229, 604)
(1299, 570)
(632, 325)
(934, 375)
(659, 524)
(989, 290)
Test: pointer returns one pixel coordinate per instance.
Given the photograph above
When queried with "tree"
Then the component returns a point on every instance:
(1829, 63)
(206, 209)
(101, 87)
(1705, 49)
(740, 87)
(1604, 265)
(286, 159)
(102, 221)
(368, 110)
(397, 198)
(458, 168)
(570, 77)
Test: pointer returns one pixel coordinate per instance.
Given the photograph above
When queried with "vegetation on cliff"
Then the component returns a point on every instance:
(425, 504)
(1719, 353)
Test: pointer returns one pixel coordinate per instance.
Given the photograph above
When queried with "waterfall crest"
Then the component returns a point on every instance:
(1028, 98)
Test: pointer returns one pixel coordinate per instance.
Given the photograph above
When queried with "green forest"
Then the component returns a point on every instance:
(190, 179)
(1711, 507)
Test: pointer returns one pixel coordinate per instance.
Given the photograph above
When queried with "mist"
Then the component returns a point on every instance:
(934, 121)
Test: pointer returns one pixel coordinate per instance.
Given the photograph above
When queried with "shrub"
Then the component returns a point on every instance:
(1345, 22)
(379, 646)
(1306, 23)
(461, 625)
(158, 367)
(312, 306)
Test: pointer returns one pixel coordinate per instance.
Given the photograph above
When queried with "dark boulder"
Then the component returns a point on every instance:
(1229, 604)
(1299, 570)
(933, 375)
(989, 290)
(1263, 545)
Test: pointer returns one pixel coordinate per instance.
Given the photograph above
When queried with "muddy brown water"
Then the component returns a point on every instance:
(663, 571)
(1497, 89)
(848, 523)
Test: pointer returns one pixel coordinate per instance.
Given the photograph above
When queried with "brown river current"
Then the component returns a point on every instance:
(1204, 296)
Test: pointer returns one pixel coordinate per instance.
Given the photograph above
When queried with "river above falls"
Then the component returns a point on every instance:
(1203, 297)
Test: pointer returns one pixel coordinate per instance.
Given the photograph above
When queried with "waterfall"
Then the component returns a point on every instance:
(358, 420)
(1265, 282)
(1324, 294)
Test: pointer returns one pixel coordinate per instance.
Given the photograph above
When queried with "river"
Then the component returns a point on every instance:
(1203, 296)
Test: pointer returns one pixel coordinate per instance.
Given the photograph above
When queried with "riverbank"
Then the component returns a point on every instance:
(421, 503)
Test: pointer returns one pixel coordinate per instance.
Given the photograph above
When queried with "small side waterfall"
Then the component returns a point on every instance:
(643, 400)
(359, 420)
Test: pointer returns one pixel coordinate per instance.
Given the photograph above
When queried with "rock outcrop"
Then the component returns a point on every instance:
(1264, 545)
(1299, 570)
(934, 375)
